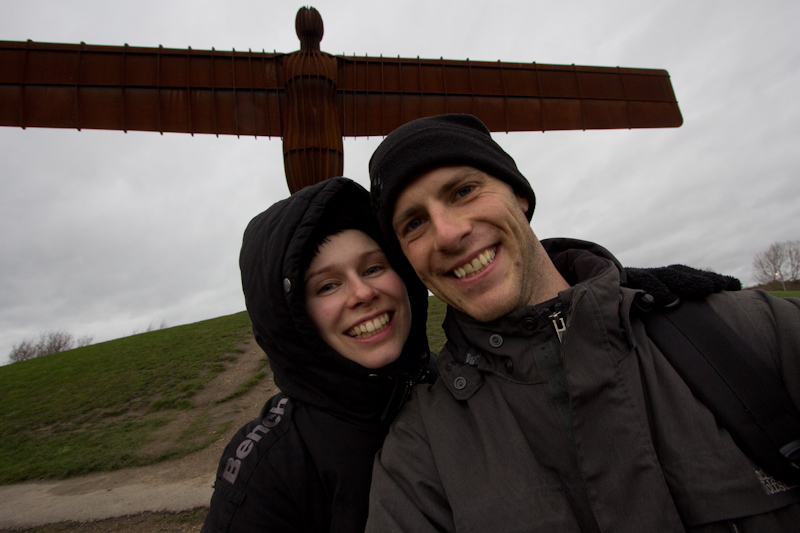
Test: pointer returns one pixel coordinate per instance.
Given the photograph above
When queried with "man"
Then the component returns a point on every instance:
(554, 411)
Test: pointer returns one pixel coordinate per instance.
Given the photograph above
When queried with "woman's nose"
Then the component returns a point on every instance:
(361, 292)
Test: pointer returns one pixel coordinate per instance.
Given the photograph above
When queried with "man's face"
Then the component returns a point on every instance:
(467, 237)
(357, 301)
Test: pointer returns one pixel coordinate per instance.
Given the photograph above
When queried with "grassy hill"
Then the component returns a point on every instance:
(94, 408)
(105, 406)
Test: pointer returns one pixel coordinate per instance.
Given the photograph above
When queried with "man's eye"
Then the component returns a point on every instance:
(414, 224)
(465, 190)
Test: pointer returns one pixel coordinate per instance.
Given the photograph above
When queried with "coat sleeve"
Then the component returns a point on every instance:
(264, 480)
(771, 326)
(265, 505)
(786, 313)
(406, 492)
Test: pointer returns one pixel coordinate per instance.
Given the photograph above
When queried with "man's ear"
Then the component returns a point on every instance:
(523, 202)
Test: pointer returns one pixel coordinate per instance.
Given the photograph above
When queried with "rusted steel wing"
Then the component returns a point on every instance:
(376, 95)
(310, 98)
(242, 93)
(133, 88)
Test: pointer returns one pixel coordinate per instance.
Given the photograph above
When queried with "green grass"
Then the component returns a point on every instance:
(785, 294)
(436, 312)
(254, 380)
(93, 408)
(96, 408)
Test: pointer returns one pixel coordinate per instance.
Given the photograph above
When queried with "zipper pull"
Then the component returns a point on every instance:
(558, 323)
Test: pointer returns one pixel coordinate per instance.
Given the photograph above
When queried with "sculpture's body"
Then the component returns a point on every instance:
(310, 98)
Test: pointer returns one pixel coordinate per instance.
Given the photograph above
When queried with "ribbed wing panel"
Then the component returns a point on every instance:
(243, 93)
(133, 88)
(376, 95)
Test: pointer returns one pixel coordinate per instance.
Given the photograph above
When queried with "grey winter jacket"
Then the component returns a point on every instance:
(595, 432)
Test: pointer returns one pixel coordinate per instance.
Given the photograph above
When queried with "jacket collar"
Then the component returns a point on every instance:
(588, 267)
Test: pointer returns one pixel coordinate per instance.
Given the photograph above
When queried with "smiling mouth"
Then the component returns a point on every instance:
(475, 266)
(368, 328)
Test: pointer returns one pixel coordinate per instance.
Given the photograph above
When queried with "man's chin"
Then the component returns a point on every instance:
(482, 309)
(482, 314)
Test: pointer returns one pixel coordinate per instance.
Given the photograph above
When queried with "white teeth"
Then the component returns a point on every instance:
(477, 264)
(370, 327)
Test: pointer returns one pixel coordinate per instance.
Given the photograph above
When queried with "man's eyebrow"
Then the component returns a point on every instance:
(466, 172)
(454, 180)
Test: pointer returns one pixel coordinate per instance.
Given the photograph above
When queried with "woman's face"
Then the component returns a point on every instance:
(357, 302)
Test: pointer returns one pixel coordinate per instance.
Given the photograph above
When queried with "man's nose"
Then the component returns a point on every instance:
(449, 229)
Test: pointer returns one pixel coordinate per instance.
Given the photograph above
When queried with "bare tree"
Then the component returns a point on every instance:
(781, 262)
(84, 340)
(47, 343)
(793, 259)
(23, 351)
(151, 327)
(55, 341)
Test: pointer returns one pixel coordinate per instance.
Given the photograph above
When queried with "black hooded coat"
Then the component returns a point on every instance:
(305, 464)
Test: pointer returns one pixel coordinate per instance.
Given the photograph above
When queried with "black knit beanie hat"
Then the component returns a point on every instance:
(432, 142)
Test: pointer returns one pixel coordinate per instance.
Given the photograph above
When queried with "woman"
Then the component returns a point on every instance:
(344, 330)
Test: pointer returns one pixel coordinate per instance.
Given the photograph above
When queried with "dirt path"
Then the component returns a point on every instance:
(178, 485)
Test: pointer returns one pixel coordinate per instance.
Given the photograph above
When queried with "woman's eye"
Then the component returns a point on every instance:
(373, 270)
(326, 288)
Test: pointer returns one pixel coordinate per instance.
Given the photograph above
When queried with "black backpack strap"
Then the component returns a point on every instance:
(746, 396)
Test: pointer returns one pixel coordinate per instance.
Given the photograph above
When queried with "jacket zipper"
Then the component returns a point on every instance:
(558, 322)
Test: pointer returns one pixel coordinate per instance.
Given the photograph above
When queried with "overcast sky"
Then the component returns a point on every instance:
(106, 233)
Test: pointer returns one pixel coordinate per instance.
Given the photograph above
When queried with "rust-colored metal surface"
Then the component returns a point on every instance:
(310, 98)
